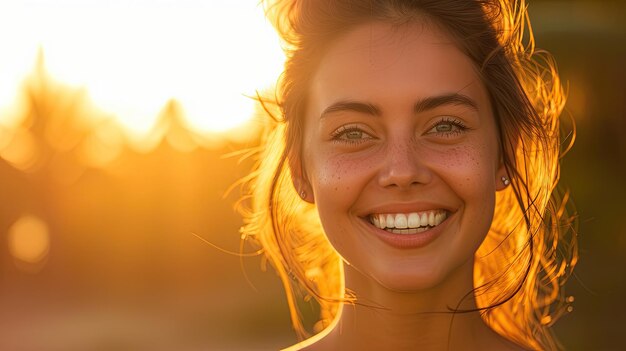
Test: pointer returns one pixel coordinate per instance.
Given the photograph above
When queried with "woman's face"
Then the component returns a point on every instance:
(400, 154)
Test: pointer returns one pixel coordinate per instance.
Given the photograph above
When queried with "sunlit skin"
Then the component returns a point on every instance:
(398, 121)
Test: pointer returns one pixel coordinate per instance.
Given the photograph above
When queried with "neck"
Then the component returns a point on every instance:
(424, 320)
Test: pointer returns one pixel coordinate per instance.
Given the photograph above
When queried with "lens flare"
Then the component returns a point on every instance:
(134, 57)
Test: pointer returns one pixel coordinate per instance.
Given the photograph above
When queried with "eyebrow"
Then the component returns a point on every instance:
(425, 104)
(433, 102)
(354, 106)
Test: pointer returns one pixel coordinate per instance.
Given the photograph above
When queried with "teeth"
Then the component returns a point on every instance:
(401, 221)
(439, 217)
(375, 221)
(409, 231)
(390, 221)
(414, 220)
(408, 223)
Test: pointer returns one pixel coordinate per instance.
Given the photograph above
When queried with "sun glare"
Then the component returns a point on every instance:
(133, 57)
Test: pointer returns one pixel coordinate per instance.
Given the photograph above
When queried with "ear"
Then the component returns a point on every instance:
(502, 176)
(503, 180)
(300, 180)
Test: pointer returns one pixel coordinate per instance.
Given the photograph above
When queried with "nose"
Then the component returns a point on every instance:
(403, 167)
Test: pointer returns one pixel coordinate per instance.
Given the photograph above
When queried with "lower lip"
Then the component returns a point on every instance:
(410, 241)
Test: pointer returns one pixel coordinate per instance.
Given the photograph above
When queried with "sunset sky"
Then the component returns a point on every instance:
(134, 56)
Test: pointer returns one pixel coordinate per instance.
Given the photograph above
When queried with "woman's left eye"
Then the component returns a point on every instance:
(448, 127)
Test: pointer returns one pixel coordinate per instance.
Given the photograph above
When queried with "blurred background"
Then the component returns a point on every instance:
(118, 125)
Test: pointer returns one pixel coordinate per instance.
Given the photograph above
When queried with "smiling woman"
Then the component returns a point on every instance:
(134, 57)
(411, 172)
(431, 148)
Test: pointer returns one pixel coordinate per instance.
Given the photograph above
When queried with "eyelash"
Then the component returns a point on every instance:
(344, 130)
(461, 127)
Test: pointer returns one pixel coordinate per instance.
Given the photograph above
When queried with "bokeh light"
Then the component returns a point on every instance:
(29, 240)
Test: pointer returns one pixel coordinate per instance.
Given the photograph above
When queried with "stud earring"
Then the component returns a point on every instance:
(303, 194)
(505, 180)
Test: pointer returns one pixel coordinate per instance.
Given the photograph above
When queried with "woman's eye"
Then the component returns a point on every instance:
(350, 135)
(448, 127)
(353, 134)
(444, 128)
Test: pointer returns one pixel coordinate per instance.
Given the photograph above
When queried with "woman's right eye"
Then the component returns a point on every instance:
(350, 135)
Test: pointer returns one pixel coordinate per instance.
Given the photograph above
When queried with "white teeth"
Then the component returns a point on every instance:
(409, 231)
(424, 219)
(439, 217)
(401, 221)
(390, 221)
(408, 223)
(414, 220)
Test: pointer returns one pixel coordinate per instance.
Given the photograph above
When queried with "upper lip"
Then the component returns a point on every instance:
(405, 208)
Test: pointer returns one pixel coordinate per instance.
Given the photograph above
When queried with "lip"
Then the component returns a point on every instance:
(409, 241)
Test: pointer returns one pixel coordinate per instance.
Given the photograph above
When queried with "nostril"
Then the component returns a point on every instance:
(404, 176)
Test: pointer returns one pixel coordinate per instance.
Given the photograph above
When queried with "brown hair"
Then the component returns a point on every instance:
(531, 247)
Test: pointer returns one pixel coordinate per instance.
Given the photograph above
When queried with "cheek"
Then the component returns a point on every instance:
(469, 171)
(338, 182)
(332, 176)
(469, 168)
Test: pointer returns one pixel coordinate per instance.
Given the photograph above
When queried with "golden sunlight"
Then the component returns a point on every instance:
(134, 57)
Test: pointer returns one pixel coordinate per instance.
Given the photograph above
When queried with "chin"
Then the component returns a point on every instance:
(421, 276)
(408, 282)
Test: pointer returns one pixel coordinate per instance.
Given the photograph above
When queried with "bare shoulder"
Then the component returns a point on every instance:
(300, 347)
(490, 340)
(306, 345)
(503, 344)
(318, 342)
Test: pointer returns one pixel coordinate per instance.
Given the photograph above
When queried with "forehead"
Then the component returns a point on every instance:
(378, 61)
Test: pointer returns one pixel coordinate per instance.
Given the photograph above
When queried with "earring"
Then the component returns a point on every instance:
(303, 194)
(505, 180)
